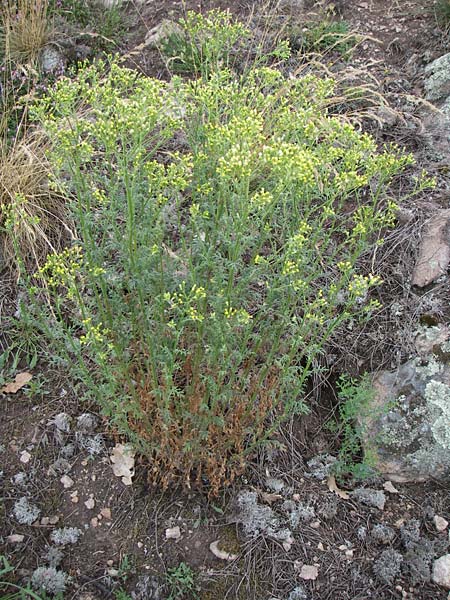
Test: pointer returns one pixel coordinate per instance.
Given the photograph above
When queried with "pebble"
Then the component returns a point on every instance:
(106, 512)
(90, 503)
(440, 523)
(67, 481)
(25, 457)
(173, 533)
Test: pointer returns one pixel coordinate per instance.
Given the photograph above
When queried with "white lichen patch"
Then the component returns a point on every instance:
(25, 512)
(65, 536)
(437, 395)
(430, 369)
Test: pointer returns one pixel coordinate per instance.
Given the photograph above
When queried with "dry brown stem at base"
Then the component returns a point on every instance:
(217, 453)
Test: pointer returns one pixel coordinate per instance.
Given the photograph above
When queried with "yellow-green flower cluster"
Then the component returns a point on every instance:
(290, 163)
(240, 315)
(190, 303)
(63, 267)
(359, 285)
(93, 334)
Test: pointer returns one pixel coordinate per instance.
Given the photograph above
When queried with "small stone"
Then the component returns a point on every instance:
(25, 457)
(106, 512)
(110, 563)
(315, 524)
(53, 520)
(15, 538)
(74, 497)
(67, 481)
(441, 571)
(309, 572)
(173, 533)
(90, 503)
(320, 547)
(45, 521)
(140, 544)
(440, 523)
(94, 522)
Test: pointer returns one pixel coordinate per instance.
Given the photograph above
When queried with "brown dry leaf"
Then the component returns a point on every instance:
(389, 487)
(122, 458)
(20, 380)
(332, 486)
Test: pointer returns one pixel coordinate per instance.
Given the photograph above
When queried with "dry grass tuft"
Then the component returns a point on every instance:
(32, 216)
(26, 29)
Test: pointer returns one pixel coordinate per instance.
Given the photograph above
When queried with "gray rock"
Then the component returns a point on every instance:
(437, 84)
(387, 566)
(370, 497)
(406, 431)
(441, 571)
(434, 250)
(51, 59)
(274, 484)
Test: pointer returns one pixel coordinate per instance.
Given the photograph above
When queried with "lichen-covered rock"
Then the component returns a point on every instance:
(408, 430)
(437, 84)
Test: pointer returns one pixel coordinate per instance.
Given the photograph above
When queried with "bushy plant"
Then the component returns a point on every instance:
(220, 223)
(355, 407)
(181, 581)
(324, 36)
(203, 43)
